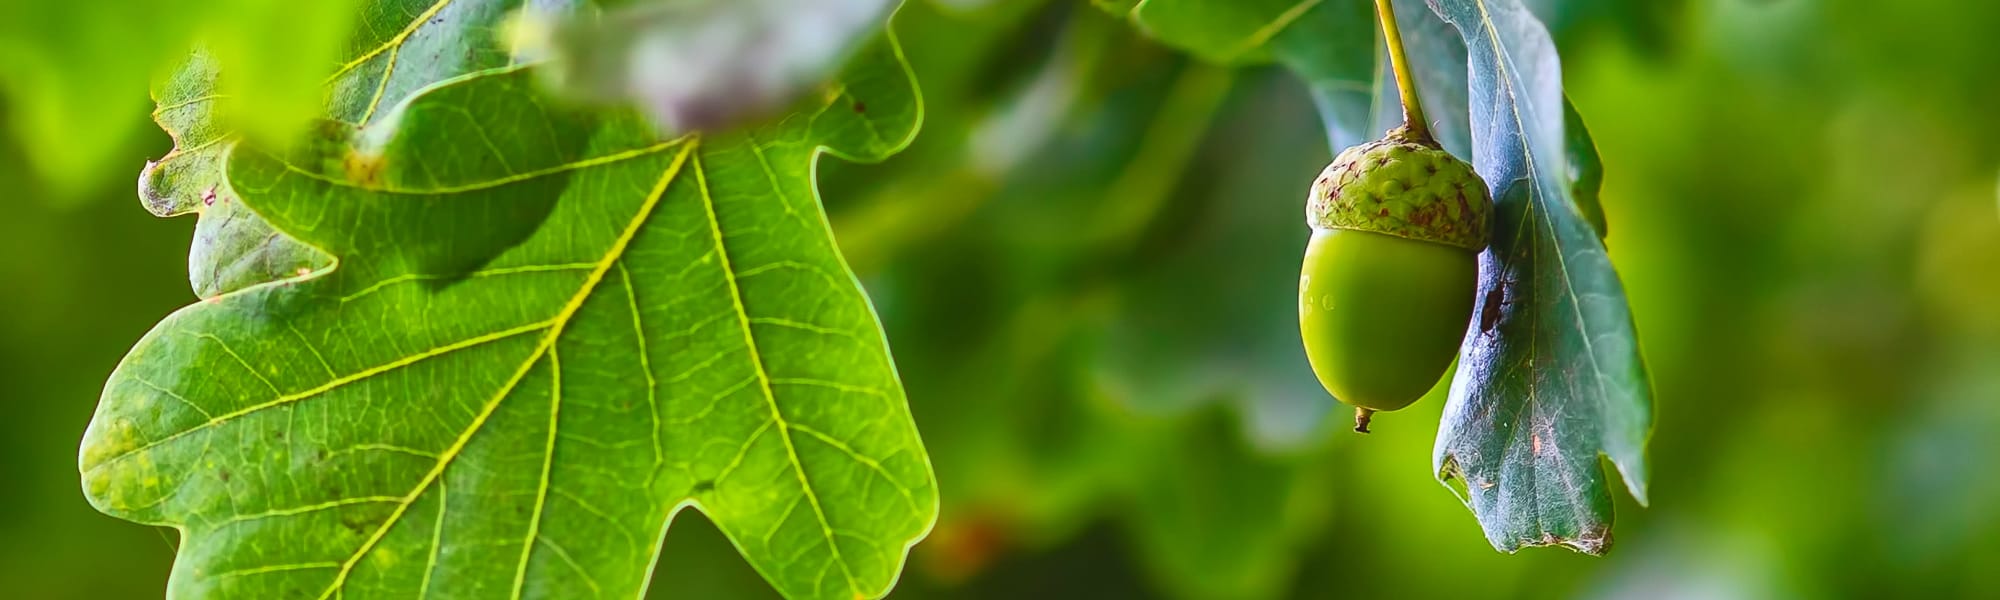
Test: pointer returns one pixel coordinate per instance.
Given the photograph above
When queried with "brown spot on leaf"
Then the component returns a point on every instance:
(1489, 314)
(363, 169)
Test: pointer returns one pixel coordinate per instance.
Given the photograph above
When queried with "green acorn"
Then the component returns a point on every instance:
(1388, 284)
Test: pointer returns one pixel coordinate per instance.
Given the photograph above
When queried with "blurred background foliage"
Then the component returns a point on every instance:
(1086, 265)
(73, 73)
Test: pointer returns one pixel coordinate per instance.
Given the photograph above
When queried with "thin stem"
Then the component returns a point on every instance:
(1406, 82)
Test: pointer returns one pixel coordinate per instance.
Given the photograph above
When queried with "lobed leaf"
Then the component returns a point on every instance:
(402, 46)
(543, 335)
(1555, 379)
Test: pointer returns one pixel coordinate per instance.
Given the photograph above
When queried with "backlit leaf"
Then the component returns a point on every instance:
(405, 45)
(546, 332)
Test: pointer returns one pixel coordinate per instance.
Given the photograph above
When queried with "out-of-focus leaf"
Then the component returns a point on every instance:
(1939, 513)
(546, 333)
(1234, 232)
(1642, 25)
(1024, 405)
(1216, 518)
(1328, 43)
(1002, 90)
(1332, 45)
(406, 45)
(71, 72)
(1556, 380)
(701, 64)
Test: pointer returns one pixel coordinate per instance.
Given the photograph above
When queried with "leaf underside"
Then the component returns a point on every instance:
(545, 333)
(1556, 380)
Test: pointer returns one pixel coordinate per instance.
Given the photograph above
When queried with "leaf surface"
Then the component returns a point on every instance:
(403, 46)
(1556, 380)
(546, 333)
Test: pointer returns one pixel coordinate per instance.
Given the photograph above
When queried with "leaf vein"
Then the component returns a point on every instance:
(757, 361)
(548, 340)
(327, 387)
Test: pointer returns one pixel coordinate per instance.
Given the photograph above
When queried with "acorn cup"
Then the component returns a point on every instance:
(1387, 288)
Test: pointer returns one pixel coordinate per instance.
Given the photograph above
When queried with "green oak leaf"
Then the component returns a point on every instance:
(233, 248)
(402, 46)
(1556, 380)
(545, 333)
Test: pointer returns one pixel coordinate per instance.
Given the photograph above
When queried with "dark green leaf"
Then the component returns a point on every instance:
(1556, 380)
(545, 334)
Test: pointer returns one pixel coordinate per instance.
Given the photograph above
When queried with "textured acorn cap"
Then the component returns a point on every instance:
(1401, 187)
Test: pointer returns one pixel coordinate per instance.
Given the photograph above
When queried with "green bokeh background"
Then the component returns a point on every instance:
(1084, 264)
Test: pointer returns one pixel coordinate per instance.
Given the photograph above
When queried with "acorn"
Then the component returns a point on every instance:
(1387, 288)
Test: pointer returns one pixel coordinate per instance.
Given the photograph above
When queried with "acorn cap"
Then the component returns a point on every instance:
(1401, 187)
